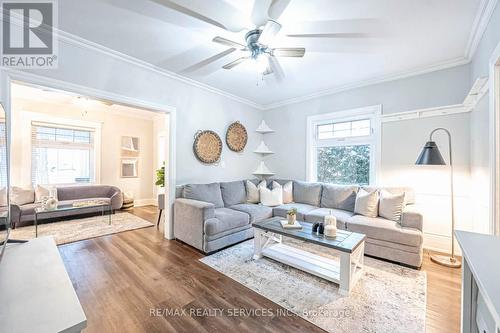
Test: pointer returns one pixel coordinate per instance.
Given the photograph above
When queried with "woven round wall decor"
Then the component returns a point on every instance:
(207, 146)
(236, 137)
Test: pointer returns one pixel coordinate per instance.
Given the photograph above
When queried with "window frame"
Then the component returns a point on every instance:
(28, 118)
(373, 113)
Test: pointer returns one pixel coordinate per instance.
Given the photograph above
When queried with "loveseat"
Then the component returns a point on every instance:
(23, 214)
(212, 216)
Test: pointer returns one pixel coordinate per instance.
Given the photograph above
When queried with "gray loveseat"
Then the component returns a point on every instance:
(25, 214)
(213, 216)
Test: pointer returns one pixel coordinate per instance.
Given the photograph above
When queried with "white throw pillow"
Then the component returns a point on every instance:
(391, 205)
(3, 197)
(21, 196)
(44, 191)
(366, 203)
(287, 192)
(272, 197)
(253, 191)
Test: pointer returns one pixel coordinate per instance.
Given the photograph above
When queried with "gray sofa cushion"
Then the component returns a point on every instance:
(225, 219)
(257, 212)
(307, 193)
(204, 192)
(385, 230)
(233, 193)
(302, 209)
(339, 196)
(318, 215)
(408, 191)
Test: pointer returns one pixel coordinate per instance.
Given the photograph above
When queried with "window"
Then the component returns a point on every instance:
(62, 155)
(343, 146)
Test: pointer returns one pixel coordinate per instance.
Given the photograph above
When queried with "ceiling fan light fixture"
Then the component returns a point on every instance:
(262, 63)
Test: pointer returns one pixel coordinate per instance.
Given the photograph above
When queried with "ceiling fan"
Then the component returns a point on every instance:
(263, 27)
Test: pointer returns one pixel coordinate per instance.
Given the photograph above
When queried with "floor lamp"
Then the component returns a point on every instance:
(430, 155)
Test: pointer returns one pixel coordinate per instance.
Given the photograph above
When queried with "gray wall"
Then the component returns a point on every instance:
(401, 141)
(197, 109)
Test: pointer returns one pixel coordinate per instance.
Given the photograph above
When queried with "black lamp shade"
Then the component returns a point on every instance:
(430, 155)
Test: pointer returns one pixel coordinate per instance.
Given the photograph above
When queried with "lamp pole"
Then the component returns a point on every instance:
(452, 259)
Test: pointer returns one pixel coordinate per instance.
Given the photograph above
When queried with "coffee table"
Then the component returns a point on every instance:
(350, 245)
(69, 207)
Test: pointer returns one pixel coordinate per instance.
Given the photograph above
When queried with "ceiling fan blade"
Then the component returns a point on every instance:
(289, 52)
(227, 42)
(208, 61)
(271, 29)
(332, 35)
(235, 63)
(221, 15)
(259, 12)
(277, 8)
(276, 68)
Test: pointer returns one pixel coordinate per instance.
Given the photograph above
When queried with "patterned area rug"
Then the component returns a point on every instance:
(78, 229)
(387, 297)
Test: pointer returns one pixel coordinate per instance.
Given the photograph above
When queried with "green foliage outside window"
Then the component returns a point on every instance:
(344, 164)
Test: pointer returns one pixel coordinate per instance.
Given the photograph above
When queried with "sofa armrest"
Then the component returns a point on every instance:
(116, 198)
(189, 219)
(411, 218)
(15, 215)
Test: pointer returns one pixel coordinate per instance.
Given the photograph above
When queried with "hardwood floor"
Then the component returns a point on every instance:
(121, 279)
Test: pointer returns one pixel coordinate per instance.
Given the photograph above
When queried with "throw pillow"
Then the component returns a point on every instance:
(21, 196)
(272, 197)
(287, 192)
(366, 203)
(44, 191)
(253, 191)
(3, 197)
(391, 205)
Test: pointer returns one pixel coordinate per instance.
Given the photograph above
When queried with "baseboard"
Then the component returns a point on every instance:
(440, 243)
(145, 202)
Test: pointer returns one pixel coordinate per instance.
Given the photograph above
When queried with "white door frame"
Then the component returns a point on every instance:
(494, 89)
(11, 75)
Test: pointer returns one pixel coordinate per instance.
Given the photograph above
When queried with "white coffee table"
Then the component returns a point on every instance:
(350, 245)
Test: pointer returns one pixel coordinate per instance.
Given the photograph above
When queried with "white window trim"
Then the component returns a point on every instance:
(49, 120)
(373, 113)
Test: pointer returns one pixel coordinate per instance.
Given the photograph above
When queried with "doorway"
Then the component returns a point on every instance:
(84, 95)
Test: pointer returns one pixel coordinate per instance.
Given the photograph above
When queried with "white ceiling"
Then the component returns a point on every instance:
(411, 35)
(33, 98)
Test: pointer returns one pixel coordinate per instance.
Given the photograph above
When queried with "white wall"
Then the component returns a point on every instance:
(111, 128)
(401, 141)
(196, 108)
(480, 125)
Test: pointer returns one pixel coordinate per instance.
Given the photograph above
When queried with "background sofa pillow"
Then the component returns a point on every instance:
(233, 193)
(272, 197)
(205, 192)
(307, 193)
(339, 196)
(366, 203)
(253, 191)
(391, 205)
(22, 196)
(44, 191)
(287, 192)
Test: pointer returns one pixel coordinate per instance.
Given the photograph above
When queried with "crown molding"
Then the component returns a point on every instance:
(481, 21)
(74, 40)
(376, 80)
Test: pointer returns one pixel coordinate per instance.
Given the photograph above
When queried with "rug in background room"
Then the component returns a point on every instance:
(79, 229)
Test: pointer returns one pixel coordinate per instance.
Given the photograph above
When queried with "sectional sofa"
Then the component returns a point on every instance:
(210, 217)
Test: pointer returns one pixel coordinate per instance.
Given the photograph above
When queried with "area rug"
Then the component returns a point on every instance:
(386, 298)
(78, 229)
